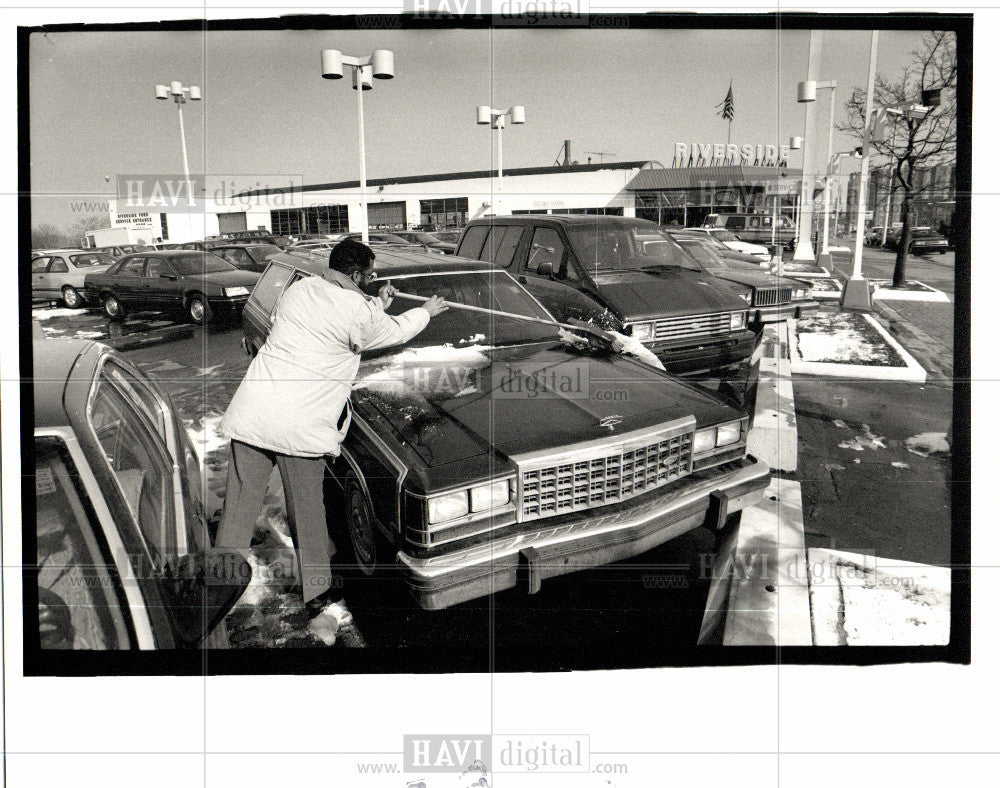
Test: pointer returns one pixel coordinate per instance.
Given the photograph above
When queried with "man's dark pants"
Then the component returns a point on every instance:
(302, 478)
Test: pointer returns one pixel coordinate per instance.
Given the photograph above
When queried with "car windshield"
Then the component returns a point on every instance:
(194, 264)
(724, 235)
(448, 236)
(460, 327)
(701, 252)
(89, 259)
(623, 246)
(262, 252)
(424, 238)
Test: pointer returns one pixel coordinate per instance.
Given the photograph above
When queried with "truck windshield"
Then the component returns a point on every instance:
(460, 327)
(625, 247)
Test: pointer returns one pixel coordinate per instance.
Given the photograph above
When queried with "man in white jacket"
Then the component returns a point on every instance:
(293, 406)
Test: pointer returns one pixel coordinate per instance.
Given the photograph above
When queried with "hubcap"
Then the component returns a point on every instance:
(360, 528)
(71, 297)
(111, 305)
(197, 309)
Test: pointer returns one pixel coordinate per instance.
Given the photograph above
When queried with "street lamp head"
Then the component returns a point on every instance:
(382, 64)
(484, 116)
(162, 92)
(517, 115)
(194, 93)
(176, 89)
(331, 64)
(363, 77)
(795, 143)
(807, 91)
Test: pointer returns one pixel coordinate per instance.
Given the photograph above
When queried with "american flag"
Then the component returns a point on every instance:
(727, 104)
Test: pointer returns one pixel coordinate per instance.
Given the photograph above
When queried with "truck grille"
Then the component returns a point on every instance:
(585, 482)
(772, 296)
(674, 328)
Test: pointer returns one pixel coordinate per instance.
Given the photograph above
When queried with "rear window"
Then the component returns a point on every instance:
(271, 286)
(473, 240)
(91, 258)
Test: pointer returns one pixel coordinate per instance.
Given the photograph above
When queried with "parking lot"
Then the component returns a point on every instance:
(864, 490)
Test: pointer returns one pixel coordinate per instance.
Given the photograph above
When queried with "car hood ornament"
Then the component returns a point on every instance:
(611, 422)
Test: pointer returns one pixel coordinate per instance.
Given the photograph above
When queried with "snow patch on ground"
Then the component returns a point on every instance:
(928, 443)
(866, 440)
(45, 314)
(327, 624)
(862, 600)
(843, 338)
(900, 465)
(206, 436)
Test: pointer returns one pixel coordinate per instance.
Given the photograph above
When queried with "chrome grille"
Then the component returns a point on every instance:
(588, 481)
(673, 328)
(772, 296)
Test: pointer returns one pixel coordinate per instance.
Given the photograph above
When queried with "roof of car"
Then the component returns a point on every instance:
(52, 360)
(68, 250)
(388, 262)
(561, 218)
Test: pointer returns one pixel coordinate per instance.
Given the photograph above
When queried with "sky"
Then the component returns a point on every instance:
(266, 110)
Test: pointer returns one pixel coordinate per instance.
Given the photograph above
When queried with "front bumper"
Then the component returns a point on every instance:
(224, 304)
(581, 540)
(776, 314)
(710, 355)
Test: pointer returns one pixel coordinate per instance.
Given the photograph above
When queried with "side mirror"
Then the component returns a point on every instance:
(544, 268)
(202, 588)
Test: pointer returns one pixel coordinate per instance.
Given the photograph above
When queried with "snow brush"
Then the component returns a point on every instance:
(577, 333)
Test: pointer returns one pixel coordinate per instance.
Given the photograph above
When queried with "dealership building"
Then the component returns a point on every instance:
(718, 179)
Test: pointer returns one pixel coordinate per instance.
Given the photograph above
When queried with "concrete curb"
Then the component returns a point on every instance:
(931, 294)
(756, 596)
(912, 372)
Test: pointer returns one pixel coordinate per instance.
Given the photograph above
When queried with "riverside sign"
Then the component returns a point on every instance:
(717, 154)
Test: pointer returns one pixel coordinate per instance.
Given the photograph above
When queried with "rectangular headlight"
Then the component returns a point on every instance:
(704, 440)
(643, 331)
(231, 292)
(447, 507)
(737, 320)
(488, 496)
(728, 434)
(800, 294)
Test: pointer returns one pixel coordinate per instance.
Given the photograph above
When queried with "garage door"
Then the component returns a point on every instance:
(387, 216)
(232, 222)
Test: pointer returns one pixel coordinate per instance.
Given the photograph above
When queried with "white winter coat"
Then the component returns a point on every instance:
(294, 398)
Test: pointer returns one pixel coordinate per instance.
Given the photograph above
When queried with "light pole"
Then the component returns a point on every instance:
(832, 171)
(807, 93)
(487, 116)
(177, 91)
(856, 293)
(378, 65)
(803, 247)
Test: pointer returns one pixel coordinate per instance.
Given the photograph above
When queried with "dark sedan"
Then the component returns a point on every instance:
(922, 241)
(123, 553)
(197, 283)
(773, 298)
(494, 451)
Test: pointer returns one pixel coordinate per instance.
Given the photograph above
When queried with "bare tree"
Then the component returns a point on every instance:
(913, 140)
(47, 236)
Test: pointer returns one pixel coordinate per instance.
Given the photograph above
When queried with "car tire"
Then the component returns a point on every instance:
(198, 310)
(113, 308)
(360, 567)
(71, 297)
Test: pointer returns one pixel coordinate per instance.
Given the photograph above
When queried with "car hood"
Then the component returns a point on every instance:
(664, 291)
(748, 248)
(227, 278)
(758, 278)
(451, 405)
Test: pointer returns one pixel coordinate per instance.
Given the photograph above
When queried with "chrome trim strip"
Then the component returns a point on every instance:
(589, 524)
(401, 467)
(609, 445)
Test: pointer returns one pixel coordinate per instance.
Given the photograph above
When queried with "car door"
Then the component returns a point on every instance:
(56, 276)
(160, 284)
(127, 283)
(40, 277)
(565, 291)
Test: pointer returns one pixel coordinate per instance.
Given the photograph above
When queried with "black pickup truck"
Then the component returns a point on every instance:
(629, 275)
